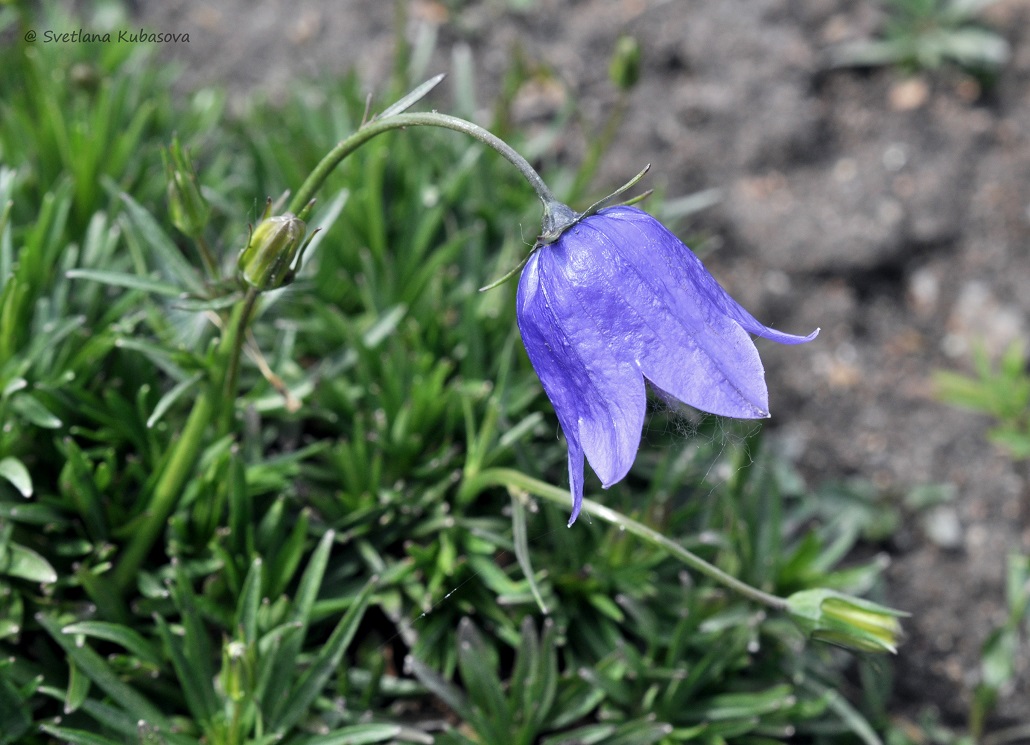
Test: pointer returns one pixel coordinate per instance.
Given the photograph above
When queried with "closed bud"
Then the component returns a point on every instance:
(274, 252)
(187, 206)
(850, 622)
(624, 69)
(236, 676)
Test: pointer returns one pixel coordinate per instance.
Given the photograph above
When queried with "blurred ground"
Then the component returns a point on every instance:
(894, 213)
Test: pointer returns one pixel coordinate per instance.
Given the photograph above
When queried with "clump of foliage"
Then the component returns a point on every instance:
(927, 34)
(1001, 391)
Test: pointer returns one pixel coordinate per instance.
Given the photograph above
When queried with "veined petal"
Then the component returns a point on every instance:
(669, 257)
(597, 393)
(684, 345)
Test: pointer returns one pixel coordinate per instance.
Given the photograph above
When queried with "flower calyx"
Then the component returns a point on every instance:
(275, 250)
(851, 622)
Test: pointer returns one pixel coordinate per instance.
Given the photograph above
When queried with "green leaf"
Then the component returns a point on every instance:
(29, 407)
(442, 689)
(171, 397)
(300, 617)
(14, 712)
(15, 471)
(413, 97)
(101, 673)
(518, 529)
(326, 662)
(638, 733)
(77, 736)
(128, 281)
(131, 640)
(249, 602)
(479, 676)
(78, 689)
(358, 734)
(195, 645)
(25, 563)
(284, 566)
(145, 230)
(191, 683)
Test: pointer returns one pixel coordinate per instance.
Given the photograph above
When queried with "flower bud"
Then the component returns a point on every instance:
(236, 675)
(624, 69)
(187, 206)
(274, 252)
(851, 622)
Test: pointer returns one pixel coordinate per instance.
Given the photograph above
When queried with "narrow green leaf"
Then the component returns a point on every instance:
(100, 673)
(743, 705)
(325, 663)
(450, 694)
(196, 644)
(384, 326)
(638, 733)
(518, 528)
(14, 709)
(282, 569)
(128, 281)
(300, 617)
(413, 97)
(25, 563)
(15, 471)
(543, 688)
(358, 734)
(588, 735)
(196, 304)
(131, 640)
(29, 407)
(479, 676)
(76, 736)
(250, 602)
(78, 688)
(526, 663)
(171, 397)
(145, 229)
(190, 682)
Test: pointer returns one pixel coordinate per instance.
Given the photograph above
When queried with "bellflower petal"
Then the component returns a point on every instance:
(616, 299)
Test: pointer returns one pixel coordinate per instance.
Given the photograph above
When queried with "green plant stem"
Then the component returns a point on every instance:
(233, 368)
(399, 121)
(214, 398)
(166, 492)
(511, 478)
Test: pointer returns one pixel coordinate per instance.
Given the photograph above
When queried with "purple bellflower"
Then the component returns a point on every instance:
(615, 299)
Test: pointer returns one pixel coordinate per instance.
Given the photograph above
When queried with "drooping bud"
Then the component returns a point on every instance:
(188, 208)
(848, 621)
(274, 252)
(624, 69)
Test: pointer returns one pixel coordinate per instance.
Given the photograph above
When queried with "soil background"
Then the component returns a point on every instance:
(891, 211)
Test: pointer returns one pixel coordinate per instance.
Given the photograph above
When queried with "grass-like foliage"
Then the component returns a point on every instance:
(353, 549)
(1002, 391)
(926, 34)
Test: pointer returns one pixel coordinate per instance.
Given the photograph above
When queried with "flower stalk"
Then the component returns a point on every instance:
(511, 478)
(300, 203)
(820, 614)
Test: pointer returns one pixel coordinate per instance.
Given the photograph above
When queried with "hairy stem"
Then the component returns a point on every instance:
(400, 121)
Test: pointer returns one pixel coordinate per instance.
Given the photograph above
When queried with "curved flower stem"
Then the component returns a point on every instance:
(399, 121)
(511, 478)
